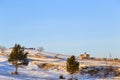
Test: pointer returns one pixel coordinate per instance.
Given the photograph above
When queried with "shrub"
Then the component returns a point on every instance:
(61, 77)
(70, 79)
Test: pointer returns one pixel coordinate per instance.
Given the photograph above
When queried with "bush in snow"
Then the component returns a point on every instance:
(70, 79)
(61, 77)
(100, 71)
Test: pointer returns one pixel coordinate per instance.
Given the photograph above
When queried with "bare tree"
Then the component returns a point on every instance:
(40, 49)
(2, 48)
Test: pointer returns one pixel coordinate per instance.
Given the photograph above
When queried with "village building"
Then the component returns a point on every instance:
(85, 56)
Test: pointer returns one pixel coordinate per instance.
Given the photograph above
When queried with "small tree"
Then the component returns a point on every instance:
(2, 48)
(72, 65)
(17, 56)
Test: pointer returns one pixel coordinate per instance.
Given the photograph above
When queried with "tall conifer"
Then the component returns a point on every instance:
(17, 56)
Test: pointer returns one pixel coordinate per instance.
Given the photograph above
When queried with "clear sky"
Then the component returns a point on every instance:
(62, 26)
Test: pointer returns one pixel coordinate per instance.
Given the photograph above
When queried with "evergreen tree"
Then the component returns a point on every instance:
(17, 56)
(72, 65)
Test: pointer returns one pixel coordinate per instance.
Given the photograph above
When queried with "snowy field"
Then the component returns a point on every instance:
(34, 72)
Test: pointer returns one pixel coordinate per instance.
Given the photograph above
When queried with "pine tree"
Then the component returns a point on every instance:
(72, 65)
(17, 56)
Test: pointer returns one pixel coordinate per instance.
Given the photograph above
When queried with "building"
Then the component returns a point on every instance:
(85, 56)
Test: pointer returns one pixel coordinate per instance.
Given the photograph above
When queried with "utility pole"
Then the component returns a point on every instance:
(110, 56)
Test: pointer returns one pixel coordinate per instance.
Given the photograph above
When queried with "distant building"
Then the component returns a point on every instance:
(85, 56)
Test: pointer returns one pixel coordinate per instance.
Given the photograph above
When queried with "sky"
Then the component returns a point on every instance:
(62, 26)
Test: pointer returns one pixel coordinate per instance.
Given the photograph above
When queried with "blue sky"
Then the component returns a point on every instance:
(62, 26)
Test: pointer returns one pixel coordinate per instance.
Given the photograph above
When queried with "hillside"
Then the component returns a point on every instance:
(45, 66)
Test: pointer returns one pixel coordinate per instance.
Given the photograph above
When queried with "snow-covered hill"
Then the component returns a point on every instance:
(45, 54)
(55, 66)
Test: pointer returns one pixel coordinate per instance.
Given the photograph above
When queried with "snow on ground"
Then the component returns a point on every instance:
(46, 54)
(33, 72)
